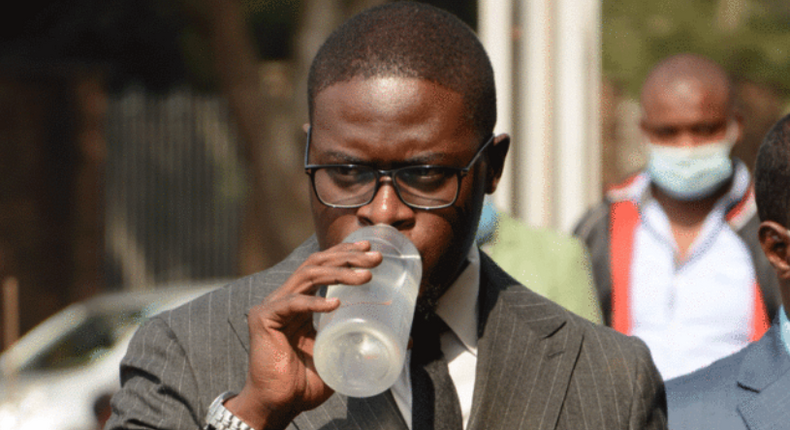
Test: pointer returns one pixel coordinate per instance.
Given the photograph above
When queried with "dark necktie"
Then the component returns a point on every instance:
(435, 404)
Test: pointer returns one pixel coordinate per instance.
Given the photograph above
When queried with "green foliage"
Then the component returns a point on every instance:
(750, 38)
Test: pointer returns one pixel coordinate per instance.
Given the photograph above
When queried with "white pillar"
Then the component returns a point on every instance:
(495, 28)
(548, 89)
(577, 130)
(536, 110)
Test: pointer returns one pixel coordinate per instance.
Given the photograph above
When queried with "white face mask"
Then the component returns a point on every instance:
(692, 173)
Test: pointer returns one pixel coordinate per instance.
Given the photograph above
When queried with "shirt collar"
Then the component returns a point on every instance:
(741, 181)
(784, 325)
(656, 220)
(458, 305)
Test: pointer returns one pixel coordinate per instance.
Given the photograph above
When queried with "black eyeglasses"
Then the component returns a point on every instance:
(419, 187)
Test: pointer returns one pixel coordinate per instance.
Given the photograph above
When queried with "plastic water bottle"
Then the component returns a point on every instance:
(361, 346)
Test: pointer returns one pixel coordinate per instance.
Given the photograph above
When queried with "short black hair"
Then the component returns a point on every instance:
(772, 174)
(409, 40)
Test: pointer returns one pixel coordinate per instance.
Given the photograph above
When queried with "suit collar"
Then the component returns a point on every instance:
(765, 382)
(765, 362)
(527, 351)
(458, 306)
(500, 292)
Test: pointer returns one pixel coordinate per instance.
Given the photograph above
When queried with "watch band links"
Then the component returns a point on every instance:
(219, 418)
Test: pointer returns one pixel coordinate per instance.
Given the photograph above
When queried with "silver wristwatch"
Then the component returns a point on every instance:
(219, 418)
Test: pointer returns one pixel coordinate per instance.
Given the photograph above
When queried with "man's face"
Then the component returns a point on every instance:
(685, 113)
(394, 122)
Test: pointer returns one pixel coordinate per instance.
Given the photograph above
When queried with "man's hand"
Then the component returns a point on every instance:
(281, 379)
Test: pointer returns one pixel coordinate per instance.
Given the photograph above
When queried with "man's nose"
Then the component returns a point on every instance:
(386, 208)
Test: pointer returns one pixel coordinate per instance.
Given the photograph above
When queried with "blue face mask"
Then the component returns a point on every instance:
(488, 222)
(692, 173)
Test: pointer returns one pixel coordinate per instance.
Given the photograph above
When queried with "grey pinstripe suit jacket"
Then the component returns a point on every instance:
(539, 366)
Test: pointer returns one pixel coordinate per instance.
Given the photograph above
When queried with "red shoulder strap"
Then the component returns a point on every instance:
(760, 321)
(740, 213)
(624, 219)
(736, 217)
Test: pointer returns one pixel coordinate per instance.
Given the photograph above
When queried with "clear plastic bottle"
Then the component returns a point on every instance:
(361, 346)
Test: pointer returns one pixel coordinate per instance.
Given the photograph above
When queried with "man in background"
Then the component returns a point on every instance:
(751, 389)
(674, 248)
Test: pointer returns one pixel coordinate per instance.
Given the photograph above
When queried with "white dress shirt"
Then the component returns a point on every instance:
(784, 326)
(690, 313)
(458, 308)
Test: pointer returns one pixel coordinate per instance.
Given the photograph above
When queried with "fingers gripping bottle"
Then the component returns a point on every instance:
(361, 346)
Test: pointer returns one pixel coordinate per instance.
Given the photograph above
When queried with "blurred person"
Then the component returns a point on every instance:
(674, 249)
(402, 108)
(751, 389)
(550, 263)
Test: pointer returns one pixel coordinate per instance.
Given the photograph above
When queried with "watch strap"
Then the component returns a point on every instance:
(220, 418)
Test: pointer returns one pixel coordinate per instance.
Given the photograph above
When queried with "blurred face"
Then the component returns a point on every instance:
(684, 114)
(388, 123)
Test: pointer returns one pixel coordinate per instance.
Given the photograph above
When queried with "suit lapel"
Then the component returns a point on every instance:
(764, 383)
(526, 354)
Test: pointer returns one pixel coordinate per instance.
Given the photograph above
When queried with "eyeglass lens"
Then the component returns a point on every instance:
(348, 186)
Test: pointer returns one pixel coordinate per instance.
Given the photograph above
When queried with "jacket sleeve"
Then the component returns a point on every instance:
(158, 387)
(649, 404)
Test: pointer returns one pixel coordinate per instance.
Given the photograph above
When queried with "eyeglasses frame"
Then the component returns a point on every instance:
(460, 172)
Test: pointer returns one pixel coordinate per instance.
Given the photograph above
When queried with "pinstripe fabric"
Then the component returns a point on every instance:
(539, 366)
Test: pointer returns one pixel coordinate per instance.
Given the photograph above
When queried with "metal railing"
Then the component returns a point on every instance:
(174, 188)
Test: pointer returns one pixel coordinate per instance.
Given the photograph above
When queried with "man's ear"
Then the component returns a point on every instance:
(496, 161)
(775, 241)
